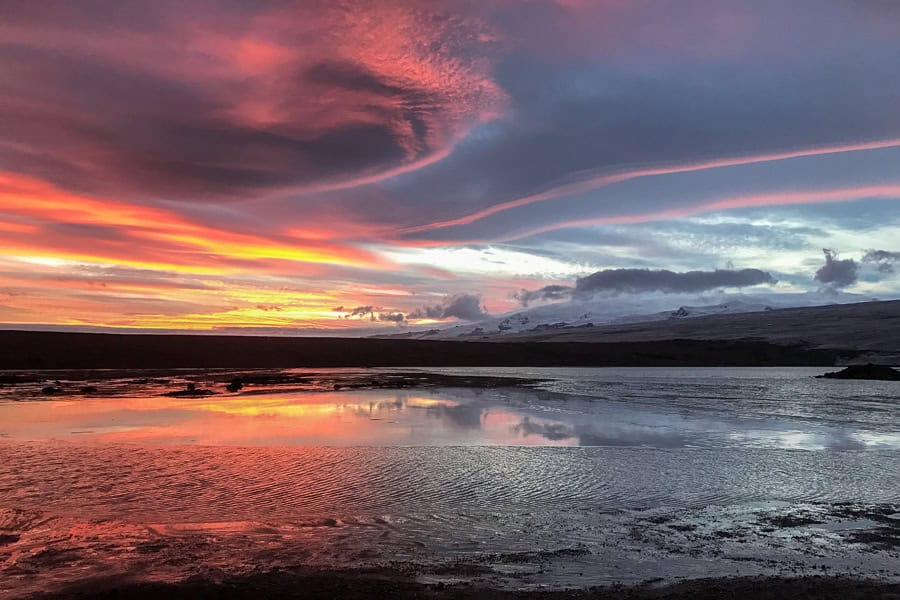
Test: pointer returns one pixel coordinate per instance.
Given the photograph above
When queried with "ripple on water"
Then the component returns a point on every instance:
(181, 484)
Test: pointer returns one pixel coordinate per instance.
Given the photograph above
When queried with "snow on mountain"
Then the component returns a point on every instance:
(622, 309)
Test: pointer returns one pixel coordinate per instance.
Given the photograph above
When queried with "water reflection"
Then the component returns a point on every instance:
(138, 484)
(440, 417)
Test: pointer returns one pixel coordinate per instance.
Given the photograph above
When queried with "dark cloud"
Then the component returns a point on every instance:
(463, 306)
(883, 259)
(373, 313)
(269, 307)
(393, 317)
(467, 307)
(548, 293)
(837, 272)
(636, 281)
(358, 311)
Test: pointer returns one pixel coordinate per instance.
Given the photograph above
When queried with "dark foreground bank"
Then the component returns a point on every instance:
(869, 371)
(53, 350)
(375, 585)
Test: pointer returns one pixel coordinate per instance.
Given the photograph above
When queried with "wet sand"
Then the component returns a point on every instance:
(43, 555)
(390, 584)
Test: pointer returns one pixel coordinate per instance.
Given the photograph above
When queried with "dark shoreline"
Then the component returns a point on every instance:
(53, 350)
(377, 584)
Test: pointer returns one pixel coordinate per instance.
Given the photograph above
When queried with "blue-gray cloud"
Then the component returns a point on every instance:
(392, 317)
(548, 293)
(467, 307)
(837, 272)
(636, 281)
(883, 259)
(639, 281)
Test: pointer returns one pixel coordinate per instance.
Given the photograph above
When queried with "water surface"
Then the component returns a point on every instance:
(618, 474)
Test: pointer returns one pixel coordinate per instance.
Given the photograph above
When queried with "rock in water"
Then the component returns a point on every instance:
(868, 371)
(190, 391)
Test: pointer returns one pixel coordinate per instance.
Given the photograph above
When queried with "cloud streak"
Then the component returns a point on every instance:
(779, 198)
(599, 181)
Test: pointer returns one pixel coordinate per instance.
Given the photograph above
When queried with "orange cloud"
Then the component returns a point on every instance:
(178, 273)
(186, 246)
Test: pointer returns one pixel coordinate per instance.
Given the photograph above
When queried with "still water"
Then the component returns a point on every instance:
(294, 471)
(647, 408)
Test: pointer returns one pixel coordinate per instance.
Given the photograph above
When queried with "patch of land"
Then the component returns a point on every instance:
(22, 350)
(198, 383)
(868, 371)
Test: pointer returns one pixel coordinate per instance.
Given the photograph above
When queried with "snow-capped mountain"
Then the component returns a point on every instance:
(621, 309)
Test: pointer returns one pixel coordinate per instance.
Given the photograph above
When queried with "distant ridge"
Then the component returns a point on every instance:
(820, 336)
(22, 350)
(862, 326)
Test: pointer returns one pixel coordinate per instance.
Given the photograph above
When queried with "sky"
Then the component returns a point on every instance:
(347, 166)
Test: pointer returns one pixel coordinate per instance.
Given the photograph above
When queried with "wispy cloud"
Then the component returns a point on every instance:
(593, 182)
(258, 164)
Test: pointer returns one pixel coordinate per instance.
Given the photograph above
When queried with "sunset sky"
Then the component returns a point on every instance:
(356, 165)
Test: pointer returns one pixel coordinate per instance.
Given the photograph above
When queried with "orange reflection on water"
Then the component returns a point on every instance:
(355, 418)
(429, 402)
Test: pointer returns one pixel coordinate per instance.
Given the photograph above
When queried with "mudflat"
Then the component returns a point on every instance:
(391, 584)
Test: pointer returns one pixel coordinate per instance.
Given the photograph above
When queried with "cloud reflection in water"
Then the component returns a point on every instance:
(440, 417)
